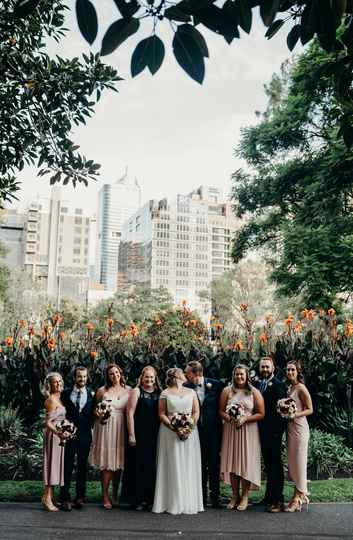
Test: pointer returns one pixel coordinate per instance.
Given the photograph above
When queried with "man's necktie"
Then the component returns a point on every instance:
(78, 400)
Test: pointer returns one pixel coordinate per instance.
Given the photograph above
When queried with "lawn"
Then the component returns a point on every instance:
(335, 490)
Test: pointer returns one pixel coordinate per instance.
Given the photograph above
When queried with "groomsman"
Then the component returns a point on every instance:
(209, 427)
(271, 429)
(79, 402)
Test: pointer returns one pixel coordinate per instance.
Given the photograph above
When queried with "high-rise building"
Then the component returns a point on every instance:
(56, 247)
(180, 244)
(11, 236)
(117, 203)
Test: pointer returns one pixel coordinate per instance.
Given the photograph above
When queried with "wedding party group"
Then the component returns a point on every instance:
(171, 448)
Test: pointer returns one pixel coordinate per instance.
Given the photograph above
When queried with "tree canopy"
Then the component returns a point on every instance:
(298, 193)
(42, 98)
(331, 21)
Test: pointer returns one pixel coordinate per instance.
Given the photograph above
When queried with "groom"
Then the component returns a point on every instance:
(271, 433)
(79, 404)
(209, 426)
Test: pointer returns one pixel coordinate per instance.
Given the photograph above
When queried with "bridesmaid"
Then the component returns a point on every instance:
(143, 426)
(298, 437)
(108, 445)
(53, 463)
(241, 451)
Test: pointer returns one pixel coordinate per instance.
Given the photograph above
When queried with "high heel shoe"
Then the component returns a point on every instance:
(243, 504)
(232, 503)
(295, 505)
(305, 500)
(107, 505)
(48, 505)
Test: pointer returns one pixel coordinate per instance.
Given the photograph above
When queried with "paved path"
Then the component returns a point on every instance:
(28, 521)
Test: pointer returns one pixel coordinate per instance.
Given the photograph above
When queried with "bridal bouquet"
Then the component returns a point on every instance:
(287, 408)
(103, 411)
(235, 410)
(183, 424)
(66, 431)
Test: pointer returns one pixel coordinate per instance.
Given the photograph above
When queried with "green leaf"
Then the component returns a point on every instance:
(127, 9)
(23, 8)
(221, 21)
(245, 15)
(196, 36)
(325, 24)
(268, 11)
(293, 37)
(188, 54)
(55, 178)
(307, 26)
(174, 13)
(117, 33)
(148, 53)
(273, 29)
(87, 20)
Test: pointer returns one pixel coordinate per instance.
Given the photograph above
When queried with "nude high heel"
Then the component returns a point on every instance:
(305, 500)
(48, 505)
(243, 504)
(295, 505)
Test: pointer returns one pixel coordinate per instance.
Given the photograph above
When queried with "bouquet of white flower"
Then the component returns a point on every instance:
(183, 424)
(103, 411)
(287, 408)
(235, 410)
(66, 431)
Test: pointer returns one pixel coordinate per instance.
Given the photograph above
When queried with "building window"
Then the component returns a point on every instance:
(78, 220)
(77, 251)
(64, 210)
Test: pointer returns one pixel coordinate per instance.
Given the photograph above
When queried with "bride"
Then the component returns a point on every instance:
(179, 481)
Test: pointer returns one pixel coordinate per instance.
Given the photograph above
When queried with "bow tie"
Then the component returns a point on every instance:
(199, 385)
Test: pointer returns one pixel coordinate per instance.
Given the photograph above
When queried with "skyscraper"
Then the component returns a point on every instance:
(117, 203)
(180, 244)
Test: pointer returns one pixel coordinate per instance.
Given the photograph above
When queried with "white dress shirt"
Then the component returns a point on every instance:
(83, 396)
(200, 390)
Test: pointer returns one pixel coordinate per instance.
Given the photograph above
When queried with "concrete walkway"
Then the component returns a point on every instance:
(28, 521)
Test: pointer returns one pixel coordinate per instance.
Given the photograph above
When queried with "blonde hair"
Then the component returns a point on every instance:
(157, 384)
(47, 382)
(172, 374)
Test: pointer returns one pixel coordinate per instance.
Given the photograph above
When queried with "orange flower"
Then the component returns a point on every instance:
(61, 335)
(348, 328)
(184, 302)
(22, 343)
(298, 327)
(331, 312)
(52, 343)
(93, 355)
(110, 323)
(0, 350)
(289, 320)
(124, 333)
(57, 319)
(308, 314)
(238, 345)
(133, 330)
(218, 326)
(157, 322)
(263, 338)
(9, 341)
(21, 323)
(193, 322)
(90, 327)
(243, 307)
(30, 330)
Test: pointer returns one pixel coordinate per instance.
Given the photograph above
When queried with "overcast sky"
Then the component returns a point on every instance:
(172, 133)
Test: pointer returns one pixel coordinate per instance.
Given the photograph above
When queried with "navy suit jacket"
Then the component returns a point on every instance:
(272, 422)
(83, 420)
(209, 421)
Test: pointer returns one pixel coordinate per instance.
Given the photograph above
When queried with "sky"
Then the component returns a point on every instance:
(172, 133)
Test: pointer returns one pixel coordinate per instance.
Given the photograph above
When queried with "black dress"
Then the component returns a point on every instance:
(140, 474)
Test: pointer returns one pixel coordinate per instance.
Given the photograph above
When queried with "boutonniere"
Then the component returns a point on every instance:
(92, 393)
(255, 379)
(270, 383)
(209, 385)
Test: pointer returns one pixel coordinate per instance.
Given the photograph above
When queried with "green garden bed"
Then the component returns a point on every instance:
(336, 490)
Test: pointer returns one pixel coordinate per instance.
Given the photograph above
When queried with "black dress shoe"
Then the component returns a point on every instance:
(216, 504)
(78, 504)
(66, 506)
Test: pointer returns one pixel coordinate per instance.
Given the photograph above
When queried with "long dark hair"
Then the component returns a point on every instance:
(108, 382)
(299, 369)
(248, 386)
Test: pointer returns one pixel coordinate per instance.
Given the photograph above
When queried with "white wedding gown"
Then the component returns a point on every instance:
(179, 478)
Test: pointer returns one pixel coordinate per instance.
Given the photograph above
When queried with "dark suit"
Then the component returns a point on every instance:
(271, 429)
(79, 446)
(210, 432)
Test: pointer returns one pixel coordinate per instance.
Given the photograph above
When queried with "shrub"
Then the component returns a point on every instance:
(328, 455)
(11, 426)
